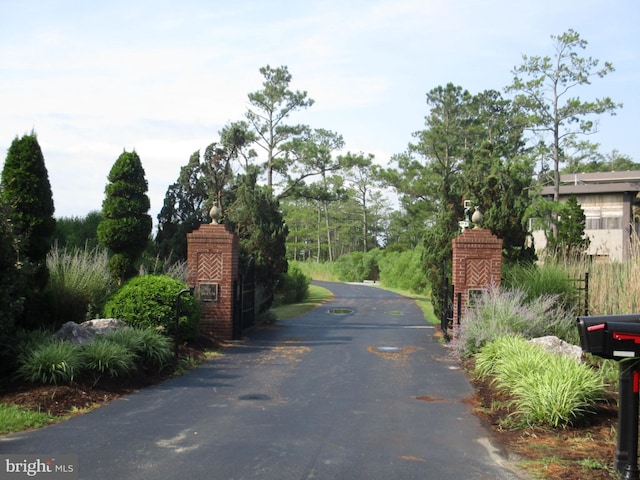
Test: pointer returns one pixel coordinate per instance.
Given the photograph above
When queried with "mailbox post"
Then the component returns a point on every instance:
(617, 337)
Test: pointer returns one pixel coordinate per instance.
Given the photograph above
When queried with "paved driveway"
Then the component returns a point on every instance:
(359, 388)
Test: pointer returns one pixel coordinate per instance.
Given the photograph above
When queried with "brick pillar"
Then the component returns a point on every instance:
(477, 264)
(212, 267)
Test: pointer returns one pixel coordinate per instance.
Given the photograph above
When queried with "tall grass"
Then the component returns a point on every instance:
(543, 280)
(614, 288)
(316, 270)
(546, 388)
(79, 283)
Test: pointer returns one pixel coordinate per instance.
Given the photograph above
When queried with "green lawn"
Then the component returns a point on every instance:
(14, 419)
(316, 296)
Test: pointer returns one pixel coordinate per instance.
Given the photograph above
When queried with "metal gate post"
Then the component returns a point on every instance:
(628, 420)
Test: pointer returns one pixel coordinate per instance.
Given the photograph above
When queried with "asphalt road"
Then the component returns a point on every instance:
(359, 388)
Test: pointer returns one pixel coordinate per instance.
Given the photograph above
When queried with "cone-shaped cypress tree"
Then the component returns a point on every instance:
(27, 192)
(126, 225)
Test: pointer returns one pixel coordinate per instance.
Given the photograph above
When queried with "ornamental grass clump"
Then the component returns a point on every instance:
(151, 348)
(499, 312)
(52, 362)
(104, 357)
(545, 388)
(79, 283)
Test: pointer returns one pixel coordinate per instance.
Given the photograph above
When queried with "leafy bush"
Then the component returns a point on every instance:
(403, 270)
(547, 389)
(502, 312)
(53, 361)
(295, 286)
(358, 266)
(103, 356)
(149, 302)
(79, 283)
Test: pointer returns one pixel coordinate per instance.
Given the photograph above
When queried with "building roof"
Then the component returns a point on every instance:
(599, 182)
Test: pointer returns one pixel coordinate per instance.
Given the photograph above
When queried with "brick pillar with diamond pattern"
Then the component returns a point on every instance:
(212, 267)
(477, 264)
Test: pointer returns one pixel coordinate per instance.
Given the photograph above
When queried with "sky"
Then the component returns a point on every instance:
(93, 79)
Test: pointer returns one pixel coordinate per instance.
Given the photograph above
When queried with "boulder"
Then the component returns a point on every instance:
(555, 345)
(102, 325)
(74, 333)
(84, 332)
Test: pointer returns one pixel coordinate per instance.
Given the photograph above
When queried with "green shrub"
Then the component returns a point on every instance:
(350, 267)
(295, 286)
(317, 271)
(103, 356)
(52, 362)
(79, 283)
(538, 281)
(152, 348)
(149, 302)
(403, 270)
(546, 388)
(358, 266)
(502, 312)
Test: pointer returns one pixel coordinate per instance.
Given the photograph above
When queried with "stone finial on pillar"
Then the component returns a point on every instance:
(214, 213)
(476, 218)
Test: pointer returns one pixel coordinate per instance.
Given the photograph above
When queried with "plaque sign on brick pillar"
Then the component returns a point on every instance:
(212, 267)
(476, 263)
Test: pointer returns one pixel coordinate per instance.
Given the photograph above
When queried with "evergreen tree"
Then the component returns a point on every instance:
(78, 232)
(268, 111)
(126, 225)
(27, 192)
(183, 211)
(11, 277)
(545, 86)
(568, 221)
(256, 218)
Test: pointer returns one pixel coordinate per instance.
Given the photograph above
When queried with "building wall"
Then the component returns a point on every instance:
(606, 226)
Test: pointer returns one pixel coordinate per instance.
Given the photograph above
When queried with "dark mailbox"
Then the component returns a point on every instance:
(611, 336)
(617, 337)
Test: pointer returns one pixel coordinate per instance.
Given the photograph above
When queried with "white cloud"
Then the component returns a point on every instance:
(93, 79)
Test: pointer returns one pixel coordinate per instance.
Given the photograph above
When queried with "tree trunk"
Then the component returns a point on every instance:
(326, 221)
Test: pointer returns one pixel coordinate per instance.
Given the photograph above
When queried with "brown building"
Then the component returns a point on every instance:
(611, 204)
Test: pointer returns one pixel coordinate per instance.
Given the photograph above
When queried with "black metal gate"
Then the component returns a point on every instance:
(447, 314)
(244, 312)
(582, 286)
